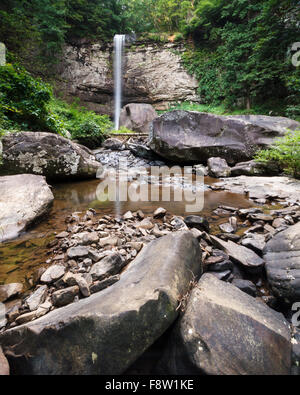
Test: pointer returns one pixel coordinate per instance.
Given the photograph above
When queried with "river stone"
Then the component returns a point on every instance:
(255, 242)
(24, 200)
(186, 136)
(113, 144)
(65, 296)
(47, 154)
(253, 168)
(111, 329)
(87, 238)
(282, 256)
(108, 266)
(4, 367)
(53, 273)
(37, 298)
(218, 167)
(242, 255)
(200, 223)
(77, 252)
(137, 117)
(8, 291)
(224, 331)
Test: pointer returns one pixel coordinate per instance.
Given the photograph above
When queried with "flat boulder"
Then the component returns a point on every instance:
(224, 331)
(107, 332)
(188, 136)
(24, 200)
(282, 256)
(218, 167)
(137, 117)
(46, 154)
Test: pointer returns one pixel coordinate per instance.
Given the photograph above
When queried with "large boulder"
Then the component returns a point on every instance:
(47, 154)
(24, 200)
(187, 136)
(282, 256)
(107, 332)
(224, 331)
(137, 117)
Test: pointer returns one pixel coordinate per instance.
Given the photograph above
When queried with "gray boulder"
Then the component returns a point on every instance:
(107, 332)
(218, 167)
(224, 331)
(282, 256)
(253, 168)
(137, 117)
(8, 291)
(186, 136)
(24, 200)
(47, 154)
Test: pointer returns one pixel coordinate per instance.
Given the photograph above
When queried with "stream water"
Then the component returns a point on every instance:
(20, 257)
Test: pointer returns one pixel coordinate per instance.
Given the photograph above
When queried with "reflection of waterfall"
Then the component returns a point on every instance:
(119, 44)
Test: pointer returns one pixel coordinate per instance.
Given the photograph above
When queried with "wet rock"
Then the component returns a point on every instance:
(242, 255)
(37, 298)
(218, 168)
(24, 200)
(137, 117)
(282, 256)
(108, 266)
(4, 366)
(46, 154)
(159, 213)
(65, 296)
(52, 274)
(226, 332)
(200, 223)
(8, 291)
(77, 252)
(187, 136)
(246, 286)
(101, 285)
(145, 298)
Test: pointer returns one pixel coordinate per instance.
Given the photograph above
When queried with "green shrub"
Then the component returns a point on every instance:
(286, 152)
(85, 126)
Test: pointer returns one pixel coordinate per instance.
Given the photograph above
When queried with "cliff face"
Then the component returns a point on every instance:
(153, 74)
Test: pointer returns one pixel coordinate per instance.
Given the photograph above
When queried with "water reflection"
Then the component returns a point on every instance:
(20, 257)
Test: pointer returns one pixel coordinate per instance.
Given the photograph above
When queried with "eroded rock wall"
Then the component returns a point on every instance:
(153, 74)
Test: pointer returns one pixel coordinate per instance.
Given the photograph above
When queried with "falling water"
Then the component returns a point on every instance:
(119, 43)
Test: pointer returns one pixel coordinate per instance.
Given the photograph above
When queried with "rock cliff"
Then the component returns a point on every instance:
(153, 74)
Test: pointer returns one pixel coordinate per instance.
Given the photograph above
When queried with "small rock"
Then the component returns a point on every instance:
(8, 291)
(222, 266)
(128, 216)
(146, 224)
(109, 241)
(255, 242)
(53, 273)
(100, 285)
(109, 265)
(23, 319)
(43, 309)
(218, 167)
(260, 217)
(246, 286)
(226, 228)
(37, 298)
(87, 238)
(159, 213)
(140, 215)
(62, 235)
(278, 222)
(77, 252)
(65, 296)
(200, 223)
(223, 276)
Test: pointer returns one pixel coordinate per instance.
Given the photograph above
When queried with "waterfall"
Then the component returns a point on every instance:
(119, 44)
